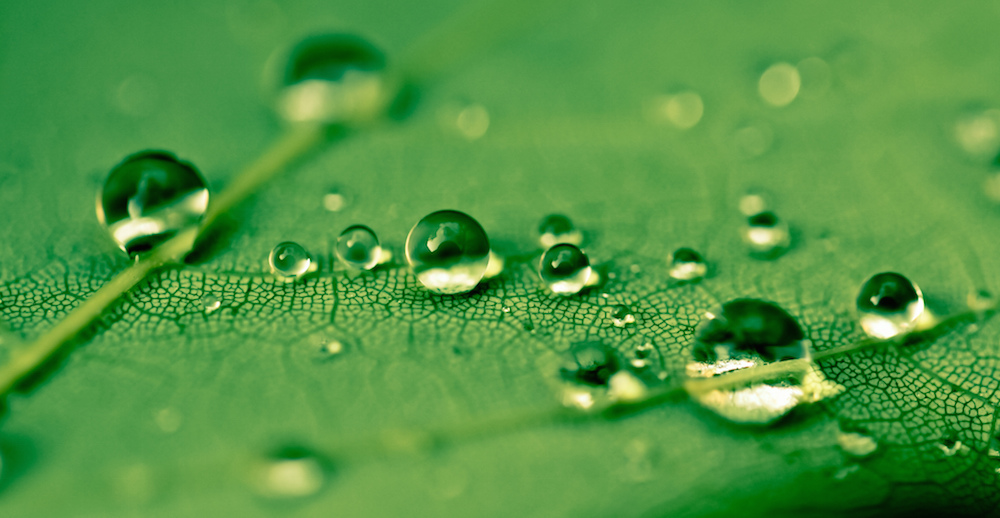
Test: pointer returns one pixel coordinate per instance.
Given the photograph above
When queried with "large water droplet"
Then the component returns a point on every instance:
(748, 326)
(564, 269)
(291, 472)
(557, 228)
(448, 251)
(687, 265)
(766, 235)
(148, 198)
(289, 261)
(335, 79)
(358, 247)
(889, 304)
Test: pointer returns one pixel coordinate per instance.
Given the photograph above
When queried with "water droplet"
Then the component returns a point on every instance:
(889, 305)
(331, 347)
(448, 251)
(779, 84)
(358, 247)
(753, 140)
(289, 261)
(753, 203)
(950, 447)
(505, 309)
(641, 356)
(168, 420)
(981, 301)
(495, 266)
(291, 472)
(555, 229)
(766, 235)
(746, 334)
(856, 444)
(473, 121)
(978, 132)
(687, 265)
(335, 79)
(334, 201)
(148, 198)
(211, 303)
(564, 269)
(621, 315)
(590, 363)
(684, 109)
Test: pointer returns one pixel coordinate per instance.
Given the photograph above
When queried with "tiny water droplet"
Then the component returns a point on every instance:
(148, 198)
(289, 261)
(687, 265)
(211, 303)
(753, 203)
(766, 235)
(473, 121)
(291, 472)
(448, 251)
(889, 304)
(621, 315)
(779, 84)
(564, 269)
(334, 201)
(358, 247)
(505, 309)
(555, 229)
(856, 444)
(335, 79)
(331, 347)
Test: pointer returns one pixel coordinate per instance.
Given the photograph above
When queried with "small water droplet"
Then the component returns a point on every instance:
(621, 315)
(856, 444)
(330, 347)
(358, 247)
(687, 265)
(888, 305)
(289, 261)
(473, 121)
(779, 84)
(148, 198)
(211, 303)
(978, 132)
(334, 201)
(335, 79)
(291, 472)
(168, 420)
(448, 251)
(753, 140)
(555, 229)
(564, 269)
(495, 266)
(684, 109)
(595, 375)
(753, 203)
(950, 447)
(641, 356)
(505, 308)
(766, 235)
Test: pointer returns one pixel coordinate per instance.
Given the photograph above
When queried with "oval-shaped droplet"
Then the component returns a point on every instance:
(557, 228)
(687, 265)
(335, 79)
(148, 198)
(889, 304)
(766, 235)
(358, 247)
(291, 472)
(448, 251)
(564, 269)
(289, 261)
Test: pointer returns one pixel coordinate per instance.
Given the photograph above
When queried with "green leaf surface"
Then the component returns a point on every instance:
(161, 409)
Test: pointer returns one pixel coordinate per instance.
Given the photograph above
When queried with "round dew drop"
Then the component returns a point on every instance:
(148, 198)
(766, 235)
(687, 265)
(557, 228)
(358, 247)
(889, 304)
(289, 261)
(448, 251)
(564, 269)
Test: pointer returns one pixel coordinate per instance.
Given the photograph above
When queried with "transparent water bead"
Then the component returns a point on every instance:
(289, 261)
(621, 315)
(291, 472)
(766, 235)
(335, 79)
(448, 251)
(358, 247)
(687, 265)
(148, 198)
(889, 304)
(564, 269)
(748, 334)
(211, 303)
(557, 228)
(597, 376)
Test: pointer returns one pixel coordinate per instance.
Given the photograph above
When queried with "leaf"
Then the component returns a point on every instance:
(164, 407)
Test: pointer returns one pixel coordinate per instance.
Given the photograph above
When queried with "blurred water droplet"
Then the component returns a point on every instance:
(134, 484)
(590, 363)
(779, 84)
(753, 140)
(358, 247)
(687, 265)
(331, 347)
(981, 301)
(856, 444)
(168, 420)
(950, 447)
(991, 186)
(448, 251)
(816, 75)
(888, 305)
(641, 356)
(555, 229)
(211, 303)
(684, 109)
(564, 269)
(766, 235)
(334, 201)
(473, 121)
(846, 471)
(290, 472)
(495, 265)
(621, 315)
(753, 203)
(136, 96)
(505, 309)
(289, 261)
(148, 198)
(978, 133)
(335, 79)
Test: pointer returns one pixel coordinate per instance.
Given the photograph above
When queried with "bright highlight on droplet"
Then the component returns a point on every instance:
(564, 269)
(779, 84)
(289, 261)
(448, 251)
(211, 303)
(888, 305)
(558, 228)
(292, 472)
(358, 247)
(687, 265)
(766, 235)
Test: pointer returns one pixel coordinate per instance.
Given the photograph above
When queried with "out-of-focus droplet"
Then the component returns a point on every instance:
(168, 420)
(210, 302)
(290, 472)
(495, 266)
(289, 261)
(978, 133)
(136, 96)
(856, 444)
(753, 140)
(358, 247)
(753, 203)
(557, 228)
(888, 305)
(641, 356)
(687, 265)
(816, 77)
(950, 447)
(621, 315)
(766, 235)
(148, 198)
(334, 201)
(779, 84)
(683, 109)
(473, 121)
(331, 347)
(564, 269)
(448, 251)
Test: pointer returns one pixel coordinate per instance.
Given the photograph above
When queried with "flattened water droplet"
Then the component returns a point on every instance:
(564, 269)
(448, 251)
(766, 235)
(335, 79)
(148, 198)
(595, 374)
(687, 265)
(358, 247)
(779, 84)
(289, 261)
(856, 444)
(621, 315)
(211, 303)
(555, 229)
(291, 472)
(888, 305)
